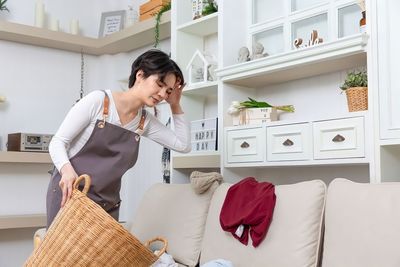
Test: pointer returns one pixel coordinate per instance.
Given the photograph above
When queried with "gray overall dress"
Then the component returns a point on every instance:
(110, 151)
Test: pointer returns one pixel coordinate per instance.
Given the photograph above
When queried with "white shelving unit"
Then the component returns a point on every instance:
(138, 35)
(307, 77)
(200, 99)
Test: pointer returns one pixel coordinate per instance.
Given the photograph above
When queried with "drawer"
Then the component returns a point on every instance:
(289, 142)
(342, 138)
(245, 145)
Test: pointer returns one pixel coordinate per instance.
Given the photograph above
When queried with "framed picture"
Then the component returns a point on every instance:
(111, 22)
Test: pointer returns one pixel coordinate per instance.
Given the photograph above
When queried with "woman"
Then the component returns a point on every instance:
(100, 135)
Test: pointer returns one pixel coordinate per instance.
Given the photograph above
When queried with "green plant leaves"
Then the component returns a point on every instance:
(3, 5)
(158, 15)
(251, 103)
(355, 79)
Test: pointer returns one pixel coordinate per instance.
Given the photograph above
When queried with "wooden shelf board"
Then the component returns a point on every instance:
(197, 160)
(22, 221)
(133, 37)
(202, 89)
(24, 157)
(203, 26)
(306, 62)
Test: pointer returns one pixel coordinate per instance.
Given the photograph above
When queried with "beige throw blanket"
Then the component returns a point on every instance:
(202, 181)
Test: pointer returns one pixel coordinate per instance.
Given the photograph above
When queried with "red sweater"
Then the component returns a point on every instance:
(251, 204)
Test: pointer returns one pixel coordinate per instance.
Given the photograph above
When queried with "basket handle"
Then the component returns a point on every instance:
(87, 183)
(158, 238)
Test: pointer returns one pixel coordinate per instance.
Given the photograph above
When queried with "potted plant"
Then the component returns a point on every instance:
(356, 87)
(158, 16)
(209, 8)
(3, 5)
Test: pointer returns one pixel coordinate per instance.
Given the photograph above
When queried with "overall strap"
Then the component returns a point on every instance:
(106, 105)
(142, 120)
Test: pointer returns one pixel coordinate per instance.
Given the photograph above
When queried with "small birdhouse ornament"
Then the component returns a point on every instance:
(201, 68)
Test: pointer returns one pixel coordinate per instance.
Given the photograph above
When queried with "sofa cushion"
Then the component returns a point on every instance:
(293, 238)
(176, 212)
(362, 225)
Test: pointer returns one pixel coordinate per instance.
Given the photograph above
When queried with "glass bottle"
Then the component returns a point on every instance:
(362, 22)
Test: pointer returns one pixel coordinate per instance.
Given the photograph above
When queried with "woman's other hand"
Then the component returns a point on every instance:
(68, 177)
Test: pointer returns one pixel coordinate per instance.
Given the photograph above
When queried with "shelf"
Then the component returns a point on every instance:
(23, 221)
(203, 26)
(24, 157)
(197, 160)
(202, 89)
(390, 142)
(341, 54)
(128, 39)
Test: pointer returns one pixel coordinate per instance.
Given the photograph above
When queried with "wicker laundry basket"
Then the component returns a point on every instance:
(83, 234)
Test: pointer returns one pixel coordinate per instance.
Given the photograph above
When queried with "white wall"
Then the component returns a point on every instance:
(41, 84)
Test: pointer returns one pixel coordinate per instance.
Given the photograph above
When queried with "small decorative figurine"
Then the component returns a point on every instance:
(314, 39)
(258, 50)
(244, 54)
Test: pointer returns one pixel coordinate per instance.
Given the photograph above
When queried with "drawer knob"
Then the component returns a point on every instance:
(338, 138)
(244, 145)
(288, 142)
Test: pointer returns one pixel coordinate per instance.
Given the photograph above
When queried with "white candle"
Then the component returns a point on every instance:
(2, 99)
(39, 14)
(54, 25)
(74, 26)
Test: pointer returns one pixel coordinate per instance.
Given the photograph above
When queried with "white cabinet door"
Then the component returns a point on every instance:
(245, 145)
(389, 67)
(336, 139)
(289, 142)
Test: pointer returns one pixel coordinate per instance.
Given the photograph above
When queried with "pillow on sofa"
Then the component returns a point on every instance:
(293, 238)
(362, 225)
(176, 212)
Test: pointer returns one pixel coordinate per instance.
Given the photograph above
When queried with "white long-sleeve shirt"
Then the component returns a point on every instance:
(80, 121)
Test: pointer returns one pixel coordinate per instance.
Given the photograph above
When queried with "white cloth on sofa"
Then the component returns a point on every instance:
(218, 263)
(165, 260)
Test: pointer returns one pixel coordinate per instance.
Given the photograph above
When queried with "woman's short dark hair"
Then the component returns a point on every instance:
(155, 62)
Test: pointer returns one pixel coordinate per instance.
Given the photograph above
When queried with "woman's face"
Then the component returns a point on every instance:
(155, 90)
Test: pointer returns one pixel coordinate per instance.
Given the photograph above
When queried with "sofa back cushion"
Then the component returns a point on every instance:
(175, 212)
(362, 224)
(293, 238)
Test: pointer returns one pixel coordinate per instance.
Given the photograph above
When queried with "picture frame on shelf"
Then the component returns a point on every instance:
(111, 22)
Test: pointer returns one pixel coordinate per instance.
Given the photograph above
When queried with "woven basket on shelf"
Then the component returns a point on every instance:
(357, 98)
(83, 234)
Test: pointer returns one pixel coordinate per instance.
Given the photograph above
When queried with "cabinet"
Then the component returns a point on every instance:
(384, 66)
(302, 144)
(388, 65)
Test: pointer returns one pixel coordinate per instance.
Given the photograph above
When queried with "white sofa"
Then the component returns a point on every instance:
(348, 225)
